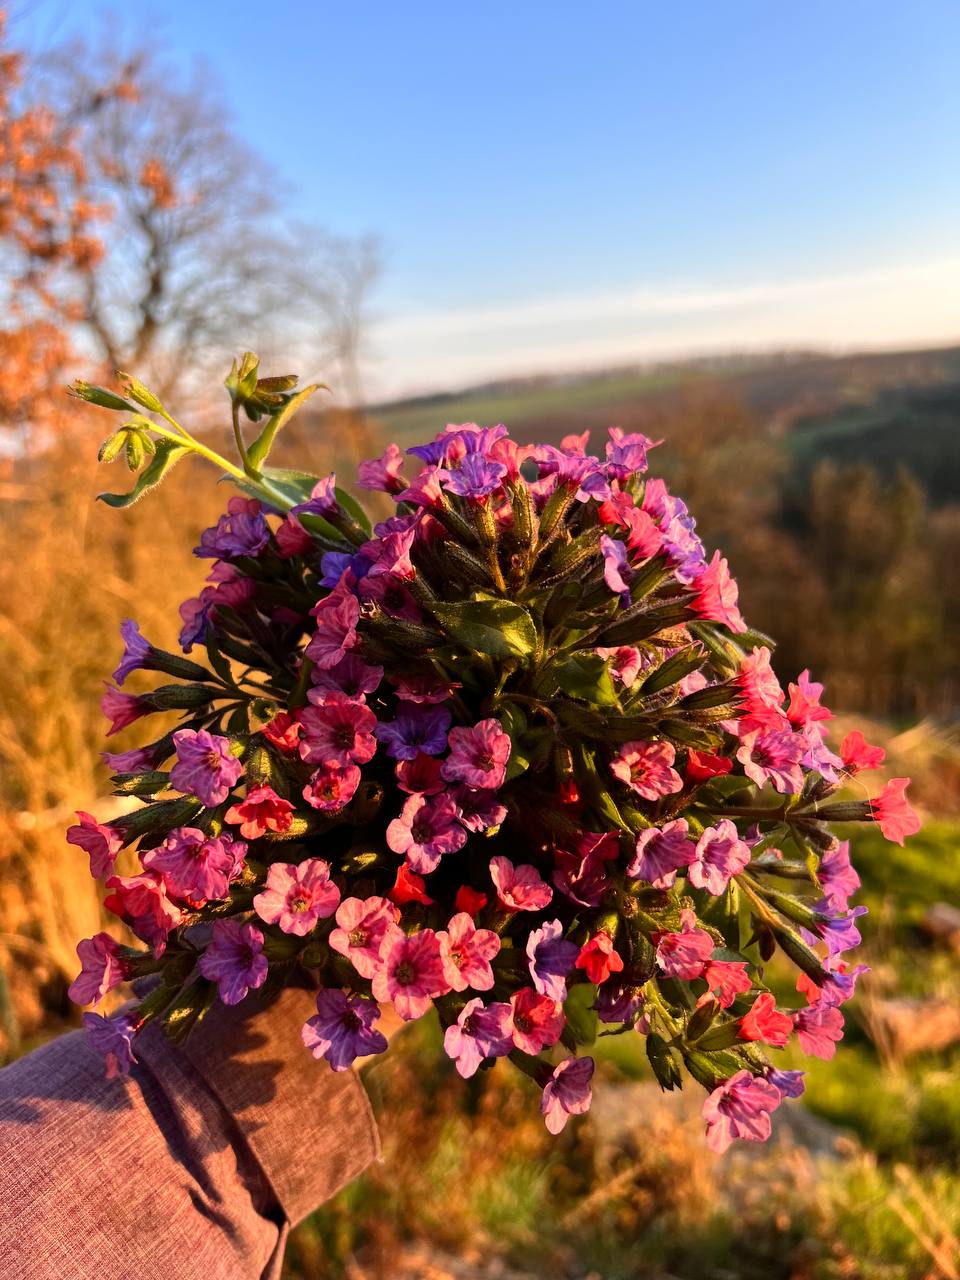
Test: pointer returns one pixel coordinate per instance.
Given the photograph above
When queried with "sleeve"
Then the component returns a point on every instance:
(193, 1168)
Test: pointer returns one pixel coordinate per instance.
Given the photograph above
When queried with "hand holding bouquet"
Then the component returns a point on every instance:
(512, 754)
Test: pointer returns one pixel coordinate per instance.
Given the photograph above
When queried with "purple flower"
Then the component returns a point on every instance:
(195, 614)
(296, 897)
(837, 930)
(616, 566)
(113, 1039)
(132, 761)
(739, 1108)
(426, 829)
(417, 728)
(789, 1083)
(196, 866)
(478, 810)
(618, 1001)
(720, 854)
(627, 453)
(475, 477)
(551, 958)
(481, 1031)
(234, 959)
(351, 676)
(206, 766)
(661, 853)
(841, 983)
(342, 1028)
(323, 499)
(837, 876)
(567, 1092)
(242, 531)
(334, 564)
(382, 473)
(772, 755)
(101, 969)
(136, 650)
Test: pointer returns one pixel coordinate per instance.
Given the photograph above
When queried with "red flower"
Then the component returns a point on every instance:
(262, 810)
(409, 887)
(893, 813)
(701, 766)
(765, 1023)
(470, 900)
(599, 958)
(858, 754)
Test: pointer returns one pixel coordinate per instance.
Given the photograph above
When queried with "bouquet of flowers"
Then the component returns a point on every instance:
(511, 754)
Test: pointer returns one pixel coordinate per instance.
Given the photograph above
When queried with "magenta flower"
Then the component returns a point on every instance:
(261, 810)
(645, 767)
(739, 1108)
(141, 902)
(362, 924)
(122, 709)
(466, 952)
(420, 775)
(332, 787)
(234, 959)
(416, 729)
(627, 453)
(519, 888)
(535, 1021)
(479, 1032)
(717, 594)
(322, 500)
(760, 690)
(567, 1093)
(351, 676)
(340, 732)
(720, 854)
(195, 866)
(410, 972)
(582, 876)
(112, 1038)
(684, 955)
(241, 532)
(136, 650)
(382, 473)
(550, 958)
(342, 1029)
(478, 755)
(616, 566)
(837, 877)
(337, 616)
(773, 755)
(819, 1029)
(206, 766)
(132, 761)
(98, 839)
(426, 829)
(102, 968)
(476, 477)
(661, 853)
(296, 897)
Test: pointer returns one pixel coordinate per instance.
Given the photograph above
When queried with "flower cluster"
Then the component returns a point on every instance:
(512, 754)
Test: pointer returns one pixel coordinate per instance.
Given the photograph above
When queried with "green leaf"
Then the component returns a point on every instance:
(164, 460)
(586, 676)
(353, 508)
(260, 449)
(101, 397)
(580, 1015)
(673, 670)
(496, 627)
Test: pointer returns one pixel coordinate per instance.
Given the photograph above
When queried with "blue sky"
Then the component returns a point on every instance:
(561, 184)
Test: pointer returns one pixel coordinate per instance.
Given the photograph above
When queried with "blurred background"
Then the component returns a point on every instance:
(733, 227)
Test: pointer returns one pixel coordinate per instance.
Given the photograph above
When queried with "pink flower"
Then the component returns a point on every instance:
(113, 1039)
(196, 866)
(599, 958)
(478, 755)
(717, 594)
(519, 888)
(625, 662)
(261, 810)
(720, 854)
(362, 924)
(567, 1092)
(582, 876)
(421, 775)
(332, 787)
(535, 1021)
(819, 1028)
(858, 754)
(726, 979)
(466, 952)
(351, 676)
(337, 616)
(423, 688)
(142, 903)
(292, 538)
(234, 959)
(685, 954)
(661, 853)
(550, 958)
(739, 1108)
(122, 709)
(338, 733)
(382, 473)
(893, 813)
(804, 708)
(764, 1022)
(296, 897)
(101, 841)
(409, 972)
(426, 830)
(342, 1029)
(206, 766)
(102, 968)
(616, 566)
(760, 689)
(773, 755)
(284, 732)
(646, 768)
(837, 877)
(479, 1032)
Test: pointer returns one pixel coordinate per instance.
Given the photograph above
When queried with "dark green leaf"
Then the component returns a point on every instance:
(586, 676)
(496, 627)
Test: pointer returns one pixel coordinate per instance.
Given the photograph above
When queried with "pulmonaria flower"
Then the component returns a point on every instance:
(133, 761)
(480, 1031)
(627, 453)
(469, 900)
(765, 1022)
(332, 787)
(892, 812)
(98, 839)
(616, 566)
(141, 902)
(857, 754)
(351, 676)
(426, 829)
(416, 729)
(362, 925)
(619, 1001)
(661, 852)
(296, 897)
(789, 1083)
(550, 959)
(337, 616)
(292, 538)
(599, 958)
(645, 767)
(234, 959)
(804, 707)
(837, 929)
(136, 651)
(519, 888)
(260, 811)
(567, 1093)
(720, 854)
(819, 1029)
(535, 1021)
(760, 690)
(839, 985)
(241, 532)
(323, 498)
(284, 732)
(195, 866)
(726, 979)
(838, 879)
(409, 887)
(206, 766)
(102, 967)
(773, 755)
(122, 709)
(582, 875)
(466, 952)
(739, 1108)
(684, 954)
(342, 1029)
(717, 595)
(112, 1038)
(478, 810)
(420, 775)
(625, 663)
(340, 732)
(476, 477)
(478, 755)
(382, 473)
(410, 972)
(701, 766)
